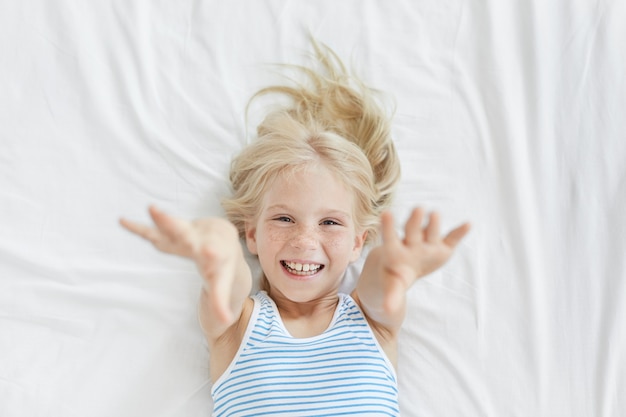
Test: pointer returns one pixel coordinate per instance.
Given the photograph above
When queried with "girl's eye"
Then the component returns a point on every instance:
(283, 219)
(330, 223)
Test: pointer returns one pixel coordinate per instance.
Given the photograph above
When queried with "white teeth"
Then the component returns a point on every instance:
(302, 269)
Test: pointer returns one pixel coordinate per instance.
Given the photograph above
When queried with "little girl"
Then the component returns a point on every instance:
(308, 195)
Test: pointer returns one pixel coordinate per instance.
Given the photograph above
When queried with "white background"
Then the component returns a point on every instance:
(509, 115)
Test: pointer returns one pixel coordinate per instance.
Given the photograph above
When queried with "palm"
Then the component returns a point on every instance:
(421, 251)
(183, 238)
(212, 243)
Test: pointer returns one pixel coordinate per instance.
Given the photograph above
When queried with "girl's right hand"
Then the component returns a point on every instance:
(181, 237)
(212, 243)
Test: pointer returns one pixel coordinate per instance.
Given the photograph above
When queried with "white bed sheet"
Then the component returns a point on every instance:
(509, 115)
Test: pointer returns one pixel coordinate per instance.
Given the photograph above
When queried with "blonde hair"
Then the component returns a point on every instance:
(333, 119)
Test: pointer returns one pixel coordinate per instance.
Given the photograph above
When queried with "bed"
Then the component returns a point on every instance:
(509, 115)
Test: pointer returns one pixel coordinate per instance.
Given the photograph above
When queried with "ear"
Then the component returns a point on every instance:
(359, 242)
(251, 238)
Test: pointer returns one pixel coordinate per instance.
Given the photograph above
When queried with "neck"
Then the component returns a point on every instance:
(308, 318)
(290, 309)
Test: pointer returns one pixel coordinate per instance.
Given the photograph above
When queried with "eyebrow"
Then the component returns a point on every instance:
(326, 211)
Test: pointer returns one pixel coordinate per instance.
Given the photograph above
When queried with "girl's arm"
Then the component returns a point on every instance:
(391, 268)
(213, 244)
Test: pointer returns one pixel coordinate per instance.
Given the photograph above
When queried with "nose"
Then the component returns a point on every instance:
(304, 238)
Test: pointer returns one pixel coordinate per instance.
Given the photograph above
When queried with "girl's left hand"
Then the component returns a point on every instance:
(421, 251)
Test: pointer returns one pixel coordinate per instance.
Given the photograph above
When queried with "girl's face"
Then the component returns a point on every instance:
(305, 235)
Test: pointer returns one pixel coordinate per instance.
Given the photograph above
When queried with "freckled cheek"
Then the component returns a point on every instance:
(270, 243)
(335, 242)
(275, 236)
(339, 242)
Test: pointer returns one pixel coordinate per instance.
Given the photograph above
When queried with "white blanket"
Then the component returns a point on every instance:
(510, 115)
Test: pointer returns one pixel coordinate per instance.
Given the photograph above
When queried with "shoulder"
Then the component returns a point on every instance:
(237, 331)
(386, 338)
(224, 348)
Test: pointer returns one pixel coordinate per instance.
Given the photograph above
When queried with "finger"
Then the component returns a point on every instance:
(144, 231)
(388, 230)
(454, 237)
(413, 229)
(169, 225)
(431, 233)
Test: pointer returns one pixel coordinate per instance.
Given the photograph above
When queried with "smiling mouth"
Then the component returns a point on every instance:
(301, 269)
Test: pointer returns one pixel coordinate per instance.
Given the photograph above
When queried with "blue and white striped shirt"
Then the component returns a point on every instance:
(343, 371)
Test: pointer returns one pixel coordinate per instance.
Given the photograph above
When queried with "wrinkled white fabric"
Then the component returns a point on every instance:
(508, 114)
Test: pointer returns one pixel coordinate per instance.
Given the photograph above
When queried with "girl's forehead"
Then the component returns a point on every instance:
(313, 185)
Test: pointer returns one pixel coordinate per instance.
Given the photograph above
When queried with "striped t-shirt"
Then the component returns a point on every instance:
(343, 371)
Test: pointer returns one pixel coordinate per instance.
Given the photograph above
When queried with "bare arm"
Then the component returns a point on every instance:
(213, 244)
(391, 268)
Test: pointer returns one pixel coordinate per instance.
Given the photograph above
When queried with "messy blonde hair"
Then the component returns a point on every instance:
(333, 119)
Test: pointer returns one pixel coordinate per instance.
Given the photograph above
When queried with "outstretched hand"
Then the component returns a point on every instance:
(402, 260)
(421, 251)
(212, 243)
(181, 237)
(392, 267)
